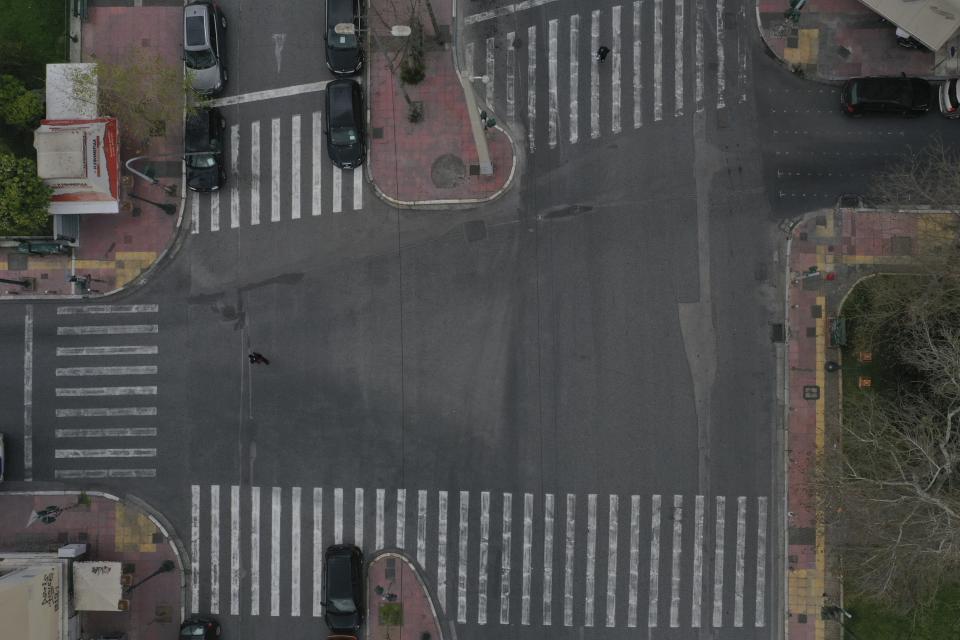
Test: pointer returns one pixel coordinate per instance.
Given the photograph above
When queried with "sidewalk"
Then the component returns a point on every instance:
(113, 531)
(115, 249)
(434, 161)
(839, 39)
(842, 247)
(399, 605)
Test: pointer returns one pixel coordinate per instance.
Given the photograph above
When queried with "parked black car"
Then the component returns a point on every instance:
(342, 37)
(343, 588)
(199, 628)
(344, 124)
(898, 95)
(203, 146)
(203, 27)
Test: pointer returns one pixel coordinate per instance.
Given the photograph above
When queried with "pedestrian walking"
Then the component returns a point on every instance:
(602, 53)
(256, 358)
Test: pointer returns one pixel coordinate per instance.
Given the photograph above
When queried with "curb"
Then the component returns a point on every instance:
(155, 517)
(418, 572)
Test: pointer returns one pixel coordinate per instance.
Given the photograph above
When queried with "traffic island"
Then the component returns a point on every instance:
(399, 605)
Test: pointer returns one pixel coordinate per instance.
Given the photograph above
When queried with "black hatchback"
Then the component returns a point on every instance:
(343, 125)
(199, 628)
(203, 149)
(342, 37)
(343, 588)
(897, 95)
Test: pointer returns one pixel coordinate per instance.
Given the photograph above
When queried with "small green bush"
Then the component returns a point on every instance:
(24, 198)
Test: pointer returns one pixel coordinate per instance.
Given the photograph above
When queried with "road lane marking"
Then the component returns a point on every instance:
(255, 172)
(657, 60)
(235, 568)
(721, 77)
(255, 551)
(527, 558)
(270, 94)
(296, 151)
(337, 190)
(106, 412)
(82, 392)
(654, 561)
(381, 498)
(422, 529)
(482, 569)
(315, 163)
(634, 582)
(357, 189)
(96, 474)
(591, 569)
(61, 454)
(505, 10)
(107, 330)
(215, 211)
(697, 595)
(612, 522)
(637, 82)
(442, 550)
(738, 573)
(401, 517)
(274, 169)
(141, 370)
(338, 516)
(276, 508)
(698, 57)
(511, 88)
(548, 559)
(215, 549)
(552, 110)
(358, 517)
(574, 87)
(718, 564)
(678, 57)
(194, 213)
(98, 309)
(675, 560)
(568, 561)
(115, 432)
(234, 176)
(28, 393)
(108, 351)
(616, 70)
(295, 551)
(742, 62)
(489, 89)
(317, 552)
(760, 615)
(505, 558)
(462, 558)
(195, 548)
(594, 75)
(468, 66)
(531, 85)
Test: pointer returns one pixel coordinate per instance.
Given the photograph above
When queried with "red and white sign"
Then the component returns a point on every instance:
(80, 161)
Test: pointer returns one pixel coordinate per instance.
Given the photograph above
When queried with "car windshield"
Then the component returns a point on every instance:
(192, 631)
(200, 59)
(202, 161)
(342, 40)
(342, 605)
(344, 136)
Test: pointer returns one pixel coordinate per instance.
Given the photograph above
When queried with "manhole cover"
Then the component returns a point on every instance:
(448, 171)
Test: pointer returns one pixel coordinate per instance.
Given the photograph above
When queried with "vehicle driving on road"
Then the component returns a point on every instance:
(342, 37)
(898, 95)
(343, 588)
(203, 146)
(203, 27)
(949, 100)
(344, 124)
(199, 628)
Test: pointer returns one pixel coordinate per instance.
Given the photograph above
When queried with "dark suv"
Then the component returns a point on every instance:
(203, 27)
(342, 37)
(344, 124)
(897, 95)
(343, 588)
(203, 146)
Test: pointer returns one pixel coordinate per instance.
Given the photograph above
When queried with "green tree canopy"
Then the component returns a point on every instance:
(24, 198)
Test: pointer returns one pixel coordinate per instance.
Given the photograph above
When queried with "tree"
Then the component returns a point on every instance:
(893, 485)
(928, 177)
(144, 92)
(24, 198)
(19, 106)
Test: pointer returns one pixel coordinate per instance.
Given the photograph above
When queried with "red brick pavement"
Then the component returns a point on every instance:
(399, 583)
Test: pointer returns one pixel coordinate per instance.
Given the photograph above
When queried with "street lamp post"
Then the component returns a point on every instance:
(167, 208)
(166, 567)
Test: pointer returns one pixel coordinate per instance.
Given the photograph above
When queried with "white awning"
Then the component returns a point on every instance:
(96, 586)
(932, 22)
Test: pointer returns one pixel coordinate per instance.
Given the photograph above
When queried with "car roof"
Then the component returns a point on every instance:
(340, 99)
(339, 11)
(195, 24)
(199, 128)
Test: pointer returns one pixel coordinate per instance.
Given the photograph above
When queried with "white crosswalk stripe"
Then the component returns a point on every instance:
(678, 28)
(301, 539)
(114, 421)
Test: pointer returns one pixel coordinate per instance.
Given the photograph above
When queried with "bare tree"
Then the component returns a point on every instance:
(927, 177)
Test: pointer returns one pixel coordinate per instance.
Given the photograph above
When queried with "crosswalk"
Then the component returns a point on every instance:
(643, 66)
(105, 398)
(582, 559)
(279, 167)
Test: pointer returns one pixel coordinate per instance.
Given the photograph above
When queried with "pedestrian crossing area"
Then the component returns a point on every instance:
(106, 391)
(649, 75)
(491, 557)
(276, 171)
